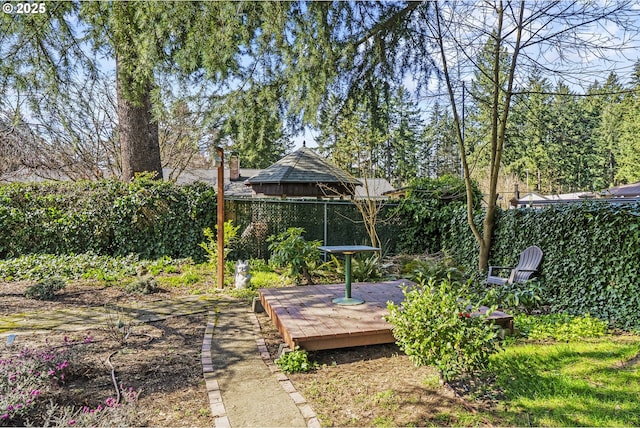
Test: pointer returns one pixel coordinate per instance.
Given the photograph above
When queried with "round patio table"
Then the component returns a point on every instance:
(348, 251)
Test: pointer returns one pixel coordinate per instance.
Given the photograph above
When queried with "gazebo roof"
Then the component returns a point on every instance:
(303, 166)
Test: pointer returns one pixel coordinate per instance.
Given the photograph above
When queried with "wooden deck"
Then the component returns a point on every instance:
(306, 317)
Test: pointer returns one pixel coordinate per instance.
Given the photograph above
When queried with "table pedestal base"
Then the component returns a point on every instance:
(347, 301)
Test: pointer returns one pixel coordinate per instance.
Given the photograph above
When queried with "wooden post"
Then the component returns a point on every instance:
(220, 215)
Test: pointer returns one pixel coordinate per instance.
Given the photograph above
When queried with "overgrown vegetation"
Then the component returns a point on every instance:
(427, 210)
(210, 246)
(82, 266)
(108, 217)
(560, 327)
(590, 256)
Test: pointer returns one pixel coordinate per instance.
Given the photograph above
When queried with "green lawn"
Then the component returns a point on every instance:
(592, 382)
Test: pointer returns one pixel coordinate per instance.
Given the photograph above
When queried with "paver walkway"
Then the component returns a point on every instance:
(83, 318)
(245, 388)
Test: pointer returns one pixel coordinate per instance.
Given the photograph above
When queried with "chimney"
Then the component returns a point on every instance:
(234, 167)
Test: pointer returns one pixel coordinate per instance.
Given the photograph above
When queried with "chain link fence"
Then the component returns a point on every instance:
(331, 222)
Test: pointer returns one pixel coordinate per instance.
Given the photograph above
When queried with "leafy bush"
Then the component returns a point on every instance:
(263, 279)
(108, 217)
(561, 327)
(296, 361)
(211, 245)
(517, 297)
(143, 285)
(434, 326)
(366, 268)
(289, 249)
(427, 209)
(45, 289)
(432, 269)
(362, 268)
(82, 266)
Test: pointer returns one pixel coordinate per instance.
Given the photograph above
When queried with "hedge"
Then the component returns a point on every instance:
(591, 260)
(148, 218)
(426, 210)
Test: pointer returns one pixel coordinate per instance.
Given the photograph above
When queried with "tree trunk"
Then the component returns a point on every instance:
(488, 225)
(137, 131)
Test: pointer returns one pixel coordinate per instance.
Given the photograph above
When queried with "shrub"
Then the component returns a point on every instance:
(45, 289)
(143, 285)
(146, 217)
(362, 268)
(211, 245)
(289, 249)
(517, 297)
(26, 376)
(432, 268)
(263, 279)
(427, 209)
(434, 326)
(296, 361)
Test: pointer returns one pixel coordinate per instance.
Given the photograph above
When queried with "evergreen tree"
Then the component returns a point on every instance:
(628, 164)
(528, 137)
(402, 140)
(442, 156)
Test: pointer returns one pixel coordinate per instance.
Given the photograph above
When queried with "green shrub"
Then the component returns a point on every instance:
(517, 297)
(432, 269)
(296, 361)
(108, 217)
(561, 327)
(261, 279)
(290, 250)
(259, 265)
(143, 285)
(211, 245)
(362, 268)
(45, 289)
(433, 326)
(366, 268)
(426, 211)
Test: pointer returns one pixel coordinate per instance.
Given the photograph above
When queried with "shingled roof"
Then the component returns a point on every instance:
(625, 191)
(303, 173)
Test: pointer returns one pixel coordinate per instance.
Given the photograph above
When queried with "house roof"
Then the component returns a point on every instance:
(626, 190)
(373, 188)
(303, 166)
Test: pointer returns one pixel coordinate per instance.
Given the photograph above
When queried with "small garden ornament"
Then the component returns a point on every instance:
(243, 277)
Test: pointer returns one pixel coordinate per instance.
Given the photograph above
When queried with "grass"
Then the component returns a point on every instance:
(594, 382)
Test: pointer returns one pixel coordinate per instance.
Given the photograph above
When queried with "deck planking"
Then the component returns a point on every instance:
(306, 316)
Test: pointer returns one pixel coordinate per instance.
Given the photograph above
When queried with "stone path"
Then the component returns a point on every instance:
(245, 387)
(83, 318)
